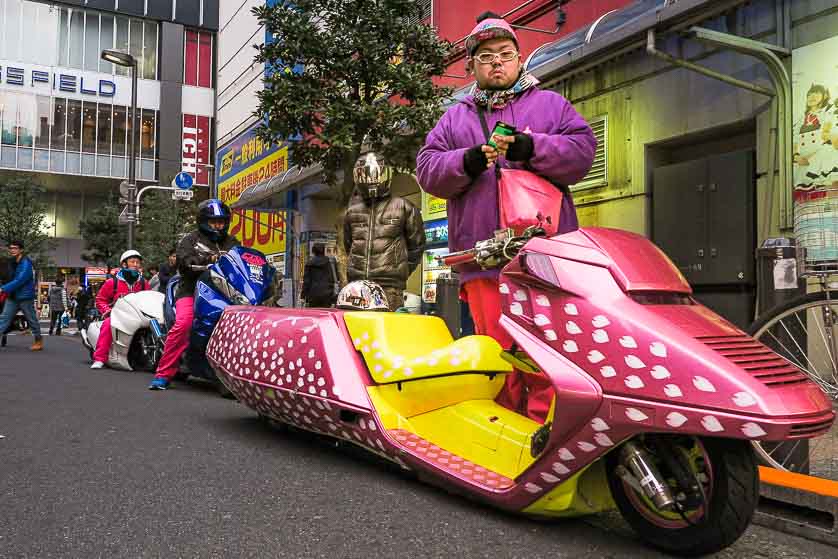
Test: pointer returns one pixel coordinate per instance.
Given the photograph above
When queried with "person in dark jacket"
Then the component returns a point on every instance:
(21, 295)
(320, 279)
(82, 303)
(199, 248)
(167, 270)
(57, 305)
(384, 236)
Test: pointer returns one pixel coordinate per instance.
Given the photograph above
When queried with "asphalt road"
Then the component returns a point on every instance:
(94, 465)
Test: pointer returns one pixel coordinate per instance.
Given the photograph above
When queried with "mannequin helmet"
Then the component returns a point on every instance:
(372, 176)
(362, 295)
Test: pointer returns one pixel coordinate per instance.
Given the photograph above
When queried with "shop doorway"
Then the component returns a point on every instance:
(703, 215)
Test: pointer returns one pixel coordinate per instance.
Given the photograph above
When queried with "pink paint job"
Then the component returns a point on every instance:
(619, 368)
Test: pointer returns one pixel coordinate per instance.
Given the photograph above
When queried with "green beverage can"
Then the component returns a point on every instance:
(501, 129)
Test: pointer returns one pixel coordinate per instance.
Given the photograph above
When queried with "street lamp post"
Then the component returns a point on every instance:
(124, 59)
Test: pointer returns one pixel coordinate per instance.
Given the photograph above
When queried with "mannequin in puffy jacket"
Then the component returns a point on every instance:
(384, 236)
(127, 280)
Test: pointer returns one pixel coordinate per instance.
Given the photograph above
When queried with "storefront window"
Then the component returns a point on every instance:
(106, 41)
(135, 40)
(88, 134)
(59, 124)
(76, 35)
(104, 130)
(147, 134)
(91, 41)
(122, 41)
(120, 129)
(73, 125)
(150, 51)
(8, 116)
(44, 117)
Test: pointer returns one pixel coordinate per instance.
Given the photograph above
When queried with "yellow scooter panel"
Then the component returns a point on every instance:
(399, 347)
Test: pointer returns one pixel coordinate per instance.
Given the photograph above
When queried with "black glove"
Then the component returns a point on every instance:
(474, 161)
(521, 149)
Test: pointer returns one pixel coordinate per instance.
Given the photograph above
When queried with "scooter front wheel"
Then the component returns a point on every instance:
(726, 482)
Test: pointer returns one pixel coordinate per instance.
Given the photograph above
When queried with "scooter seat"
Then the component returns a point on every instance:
(400, 347)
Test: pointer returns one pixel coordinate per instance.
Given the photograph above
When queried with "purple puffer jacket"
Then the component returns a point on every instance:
(563, 151)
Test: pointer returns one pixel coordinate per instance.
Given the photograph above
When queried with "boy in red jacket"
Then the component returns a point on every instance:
(127, 280)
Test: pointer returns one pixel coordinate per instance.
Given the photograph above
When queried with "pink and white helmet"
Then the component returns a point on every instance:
(362, 295)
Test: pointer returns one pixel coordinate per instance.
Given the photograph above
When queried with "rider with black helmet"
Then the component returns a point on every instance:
(198, 248)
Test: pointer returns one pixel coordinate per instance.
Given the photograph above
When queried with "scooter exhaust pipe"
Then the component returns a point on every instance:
(638, 468)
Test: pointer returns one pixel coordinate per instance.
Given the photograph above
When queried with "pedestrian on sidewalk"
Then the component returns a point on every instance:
(167, 270)
(20, 293)
(320, 279)
(57, 305)
(7, 272)
(82, 303)
(154, 278)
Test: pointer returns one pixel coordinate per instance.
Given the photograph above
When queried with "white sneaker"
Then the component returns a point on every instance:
(97, 365)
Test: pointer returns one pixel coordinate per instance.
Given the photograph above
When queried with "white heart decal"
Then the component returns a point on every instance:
(752, 430)
(504, 289)
(560, 468)
(595, 356)
(636, 415)
(711, 424)
(572, 328)
(675, 419)
(634, 382)
(565, 454)
(551, 335)
(516, 309)
(628, 342)
(703, 384)
(549, 478)
(660, 372)
(571, 309)
(603, 440)
(532, 488)
(600, 321)
(599, 424)
(657, 349)
(608, 371)
(600, 336)
(570, 346)
(634, 362)
(541, 320)
(586, 446)
(542, 301)
(744, 399)
(520, 295)
(672, 391)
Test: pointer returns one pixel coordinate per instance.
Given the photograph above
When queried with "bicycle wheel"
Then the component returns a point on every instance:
(805, 331)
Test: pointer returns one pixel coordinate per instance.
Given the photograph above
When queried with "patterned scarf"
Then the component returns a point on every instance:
(495, 99)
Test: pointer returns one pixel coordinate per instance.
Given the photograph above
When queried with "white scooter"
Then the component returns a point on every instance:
(137, 339)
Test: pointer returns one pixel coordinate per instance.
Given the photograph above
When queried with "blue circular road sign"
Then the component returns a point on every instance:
(183, 181)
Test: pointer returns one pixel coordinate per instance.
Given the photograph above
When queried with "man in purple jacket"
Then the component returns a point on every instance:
(554, 142)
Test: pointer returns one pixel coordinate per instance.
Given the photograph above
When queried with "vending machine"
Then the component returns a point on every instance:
(436, 243)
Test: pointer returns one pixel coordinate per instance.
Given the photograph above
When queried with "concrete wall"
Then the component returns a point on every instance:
(238, 77)
(653, 107)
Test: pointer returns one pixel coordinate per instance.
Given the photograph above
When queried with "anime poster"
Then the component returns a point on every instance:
(815, 136)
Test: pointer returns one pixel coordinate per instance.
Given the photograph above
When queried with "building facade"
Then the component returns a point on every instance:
(65, 112)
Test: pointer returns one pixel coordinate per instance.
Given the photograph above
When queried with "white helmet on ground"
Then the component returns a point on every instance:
(129, 254)
(362, 295)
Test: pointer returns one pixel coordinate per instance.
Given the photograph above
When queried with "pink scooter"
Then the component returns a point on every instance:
(657, 399)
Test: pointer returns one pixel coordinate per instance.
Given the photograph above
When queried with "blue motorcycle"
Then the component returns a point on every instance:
(241, 276)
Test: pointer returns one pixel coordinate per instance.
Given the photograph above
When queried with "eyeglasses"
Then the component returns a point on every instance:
(490, 57)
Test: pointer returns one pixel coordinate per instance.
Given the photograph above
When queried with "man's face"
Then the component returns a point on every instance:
(133, 263)
(172, 259)
(15, 251)
(493, 72)
(217, 224)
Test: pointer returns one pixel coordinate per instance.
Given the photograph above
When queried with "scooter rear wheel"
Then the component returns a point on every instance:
(731, 484)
